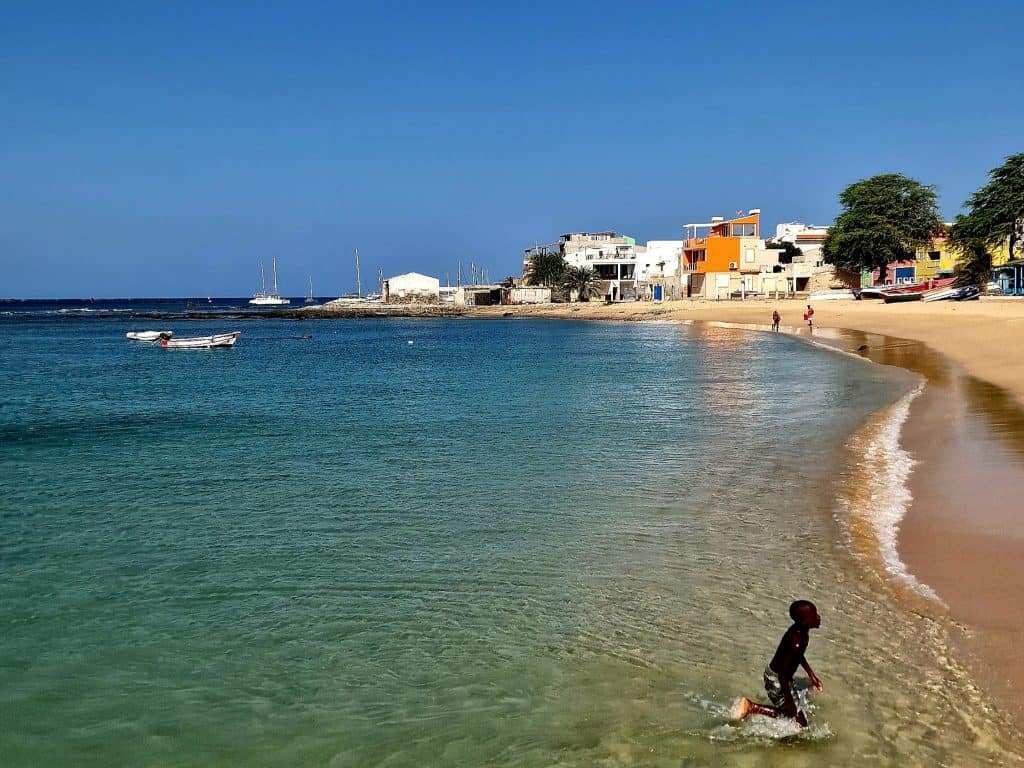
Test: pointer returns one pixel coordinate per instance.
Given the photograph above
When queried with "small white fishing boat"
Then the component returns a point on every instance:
(203, 342)
(940, 294)
(149, 335)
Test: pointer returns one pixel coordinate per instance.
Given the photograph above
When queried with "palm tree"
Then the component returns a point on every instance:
(584, 281)
(545, 268)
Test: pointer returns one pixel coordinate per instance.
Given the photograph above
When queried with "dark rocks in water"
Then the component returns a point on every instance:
(862, 348)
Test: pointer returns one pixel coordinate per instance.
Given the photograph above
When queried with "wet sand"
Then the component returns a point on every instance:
(963, 534)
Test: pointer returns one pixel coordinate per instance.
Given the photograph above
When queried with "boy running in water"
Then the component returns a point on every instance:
(778, 675)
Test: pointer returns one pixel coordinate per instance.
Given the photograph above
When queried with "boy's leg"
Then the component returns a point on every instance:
(747, 707)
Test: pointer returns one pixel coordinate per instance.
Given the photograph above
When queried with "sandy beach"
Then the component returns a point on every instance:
(963, 534)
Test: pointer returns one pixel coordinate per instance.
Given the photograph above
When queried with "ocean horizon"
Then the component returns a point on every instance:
(455, 542)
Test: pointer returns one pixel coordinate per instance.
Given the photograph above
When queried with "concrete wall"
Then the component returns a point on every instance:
(530, 295)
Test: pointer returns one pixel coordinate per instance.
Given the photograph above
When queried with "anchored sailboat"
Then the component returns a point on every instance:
(310, 299)
(268, 299)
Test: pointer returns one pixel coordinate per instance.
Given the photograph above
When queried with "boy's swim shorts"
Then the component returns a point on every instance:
(773, 687)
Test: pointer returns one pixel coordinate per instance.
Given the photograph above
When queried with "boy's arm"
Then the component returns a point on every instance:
(789, 708)
(815, 681)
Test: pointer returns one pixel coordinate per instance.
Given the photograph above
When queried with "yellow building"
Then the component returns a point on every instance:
(937, 261)
(1001, 255)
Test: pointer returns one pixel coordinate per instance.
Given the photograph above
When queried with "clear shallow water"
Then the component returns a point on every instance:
(509, 543)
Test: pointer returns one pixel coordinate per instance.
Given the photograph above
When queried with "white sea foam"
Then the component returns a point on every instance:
(889, 466)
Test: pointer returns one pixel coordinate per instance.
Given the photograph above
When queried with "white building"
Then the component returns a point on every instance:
(658, 270)
(411, 286)
(807, 237)
(613, 258)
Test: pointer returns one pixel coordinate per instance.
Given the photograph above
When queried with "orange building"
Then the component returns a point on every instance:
(724, 258)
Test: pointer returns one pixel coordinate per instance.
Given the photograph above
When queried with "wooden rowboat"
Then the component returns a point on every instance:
(203, 342)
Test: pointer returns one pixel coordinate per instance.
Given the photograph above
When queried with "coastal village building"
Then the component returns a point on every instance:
(1009, 277)
(657, 270)
(934, 262)
(720, 257)
(612, 256)
(808, 271)
(411, 287)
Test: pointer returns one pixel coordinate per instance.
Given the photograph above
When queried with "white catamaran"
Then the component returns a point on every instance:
(268, 299)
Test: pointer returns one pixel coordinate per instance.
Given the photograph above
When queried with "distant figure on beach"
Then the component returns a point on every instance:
(776, 319)
(809, 317)
(778, 675)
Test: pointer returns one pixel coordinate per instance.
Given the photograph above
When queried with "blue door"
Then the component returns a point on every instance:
(657, 293)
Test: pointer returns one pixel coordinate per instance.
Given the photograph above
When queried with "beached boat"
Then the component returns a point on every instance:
(149, 335)
(874, 292)
(264, 299)
(967, 293)
(203, 342)
(914, 291)
(940, 294)
(831, 295)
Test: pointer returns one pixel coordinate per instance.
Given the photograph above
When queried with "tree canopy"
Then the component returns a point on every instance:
(546, 268)
(995, 216)
(885, 218)
(583, 280)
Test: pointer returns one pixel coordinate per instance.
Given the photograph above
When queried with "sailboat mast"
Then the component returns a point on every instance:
(359, 284)
(263, 279)
(275, 276)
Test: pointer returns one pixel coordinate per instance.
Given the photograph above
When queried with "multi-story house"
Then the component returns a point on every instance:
(938, 260)
(657, 270)
(613, 258)
(720, 257)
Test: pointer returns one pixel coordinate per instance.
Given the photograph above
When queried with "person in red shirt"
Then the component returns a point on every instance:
(809, 317)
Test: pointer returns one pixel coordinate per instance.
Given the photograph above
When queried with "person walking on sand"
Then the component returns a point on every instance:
(778, 675)
(776, 319)
(809, 317)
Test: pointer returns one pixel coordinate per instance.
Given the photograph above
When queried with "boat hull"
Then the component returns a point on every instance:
(148, 335)
(203, 342)
(967, 293)
(832, 296)
(895, 298)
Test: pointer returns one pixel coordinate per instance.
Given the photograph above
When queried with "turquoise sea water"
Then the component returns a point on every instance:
(506, 543)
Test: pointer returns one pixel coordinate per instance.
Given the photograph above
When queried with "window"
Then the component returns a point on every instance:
(742, 230)
(934, 255)
(748, 257)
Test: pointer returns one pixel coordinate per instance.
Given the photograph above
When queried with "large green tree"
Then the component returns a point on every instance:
(545, 268)
(884, 219)
(995, 216)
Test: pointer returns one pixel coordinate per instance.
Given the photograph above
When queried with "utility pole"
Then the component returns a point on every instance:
(359, 285)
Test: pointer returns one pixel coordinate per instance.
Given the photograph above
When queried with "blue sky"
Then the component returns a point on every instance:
(163, 149)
